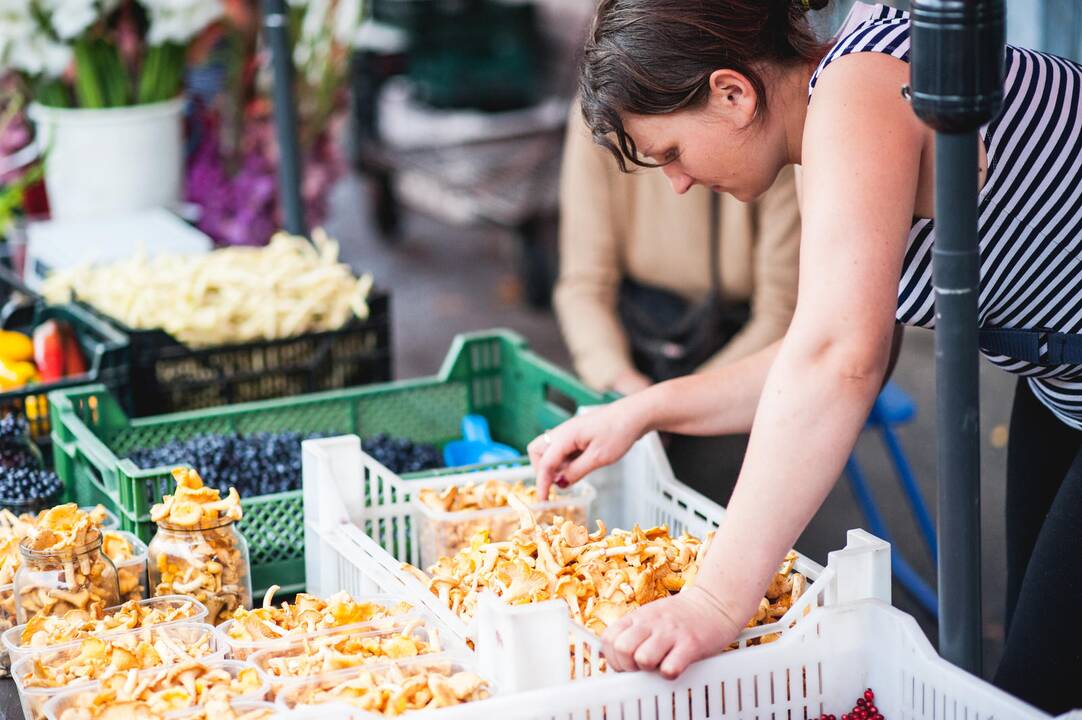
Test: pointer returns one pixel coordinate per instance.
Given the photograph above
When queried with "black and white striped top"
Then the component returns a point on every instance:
(1030, 210)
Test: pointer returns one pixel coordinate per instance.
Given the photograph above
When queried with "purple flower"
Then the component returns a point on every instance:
(241, 207)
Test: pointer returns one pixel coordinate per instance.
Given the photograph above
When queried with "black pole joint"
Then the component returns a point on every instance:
(956, 63)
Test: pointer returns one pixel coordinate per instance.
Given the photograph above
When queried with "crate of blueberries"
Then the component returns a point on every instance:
(26, 485)
(124, 463)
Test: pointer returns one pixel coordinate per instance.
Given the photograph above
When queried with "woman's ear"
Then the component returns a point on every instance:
(733, 95)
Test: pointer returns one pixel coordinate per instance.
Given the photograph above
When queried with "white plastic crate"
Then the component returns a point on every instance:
(360, 526)
(820, 666)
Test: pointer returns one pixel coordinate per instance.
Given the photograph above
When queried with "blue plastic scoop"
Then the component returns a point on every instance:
(476, 447)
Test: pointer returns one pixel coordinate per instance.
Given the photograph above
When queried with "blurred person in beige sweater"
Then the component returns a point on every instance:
(616, 226)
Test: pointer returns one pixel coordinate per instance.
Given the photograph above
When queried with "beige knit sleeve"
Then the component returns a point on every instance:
(590, 260)
(776, 265)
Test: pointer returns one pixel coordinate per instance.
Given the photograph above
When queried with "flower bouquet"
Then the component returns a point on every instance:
(101, 53)
(231, 170)
(106, 78)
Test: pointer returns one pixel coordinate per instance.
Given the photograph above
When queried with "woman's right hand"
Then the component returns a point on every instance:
(567, 453)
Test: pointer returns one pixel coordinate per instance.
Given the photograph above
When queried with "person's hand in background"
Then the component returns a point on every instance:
(631, 381)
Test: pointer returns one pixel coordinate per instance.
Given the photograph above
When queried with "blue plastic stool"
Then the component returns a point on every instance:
(894, 407)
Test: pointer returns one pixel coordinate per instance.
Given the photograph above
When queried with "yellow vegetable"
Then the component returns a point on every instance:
(16, 373)
(15, 346)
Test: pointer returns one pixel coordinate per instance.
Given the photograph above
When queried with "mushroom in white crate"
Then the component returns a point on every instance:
(363, 525)
(601, 576)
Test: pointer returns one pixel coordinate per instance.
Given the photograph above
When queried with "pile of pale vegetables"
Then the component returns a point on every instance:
(232, 295)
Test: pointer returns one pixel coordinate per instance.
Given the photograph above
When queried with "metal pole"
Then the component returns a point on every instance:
(276, 27)
(956, 76)
(956, 279)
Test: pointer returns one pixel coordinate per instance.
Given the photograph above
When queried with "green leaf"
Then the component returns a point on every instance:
(115, 77)
(52, 92)
(162, 74)
(101, 80)
(88, 89)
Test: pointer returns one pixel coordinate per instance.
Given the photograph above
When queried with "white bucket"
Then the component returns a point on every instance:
(101, 163)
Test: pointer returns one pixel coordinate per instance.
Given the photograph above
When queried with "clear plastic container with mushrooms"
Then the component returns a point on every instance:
(450, 517)
(235, 710)
(161, 692)
(275, 625)
(40, 678)
(47, 633)
(393, 689)
(338, 650)
(198, 550)
(129, 555)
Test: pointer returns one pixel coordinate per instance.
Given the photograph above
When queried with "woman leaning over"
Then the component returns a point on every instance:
(725, 94)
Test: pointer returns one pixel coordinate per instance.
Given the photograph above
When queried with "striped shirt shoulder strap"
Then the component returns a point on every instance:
(886, 30)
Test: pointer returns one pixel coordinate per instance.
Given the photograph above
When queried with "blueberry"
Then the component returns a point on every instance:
(262, 463)
(25, 483)
(401, 455)
(255, 464)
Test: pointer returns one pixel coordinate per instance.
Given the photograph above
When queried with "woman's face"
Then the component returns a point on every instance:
(720, 145)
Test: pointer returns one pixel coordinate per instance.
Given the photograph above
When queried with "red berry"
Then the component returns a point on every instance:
(861, 702)
(869, 695)
(824, 716)
(878, 716)
(872, 710)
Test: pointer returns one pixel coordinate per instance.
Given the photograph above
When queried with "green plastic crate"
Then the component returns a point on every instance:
(489, 373)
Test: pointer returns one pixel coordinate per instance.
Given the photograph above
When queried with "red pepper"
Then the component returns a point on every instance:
(49, 351)
(74, 363)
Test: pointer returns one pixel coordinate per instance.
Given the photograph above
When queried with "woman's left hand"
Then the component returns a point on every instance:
(668, 635)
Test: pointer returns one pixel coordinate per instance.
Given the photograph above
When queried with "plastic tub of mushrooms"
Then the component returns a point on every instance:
(274, 625)
(391, 689)
(40, 678)
(161, 692)
(57, 632)
(336, 650)
(450, 517)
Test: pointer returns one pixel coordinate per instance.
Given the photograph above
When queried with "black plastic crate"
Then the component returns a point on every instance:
(168, 376)
(105, 350)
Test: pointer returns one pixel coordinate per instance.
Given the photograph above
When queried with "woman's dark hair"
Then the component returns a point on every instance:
(652, 57)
